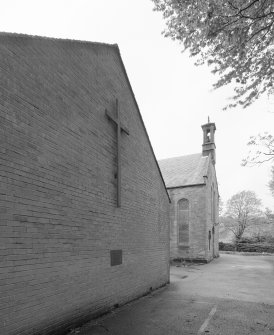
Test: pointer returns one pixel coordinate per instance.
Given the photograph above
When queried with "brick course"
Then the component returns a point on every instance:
(58, 215)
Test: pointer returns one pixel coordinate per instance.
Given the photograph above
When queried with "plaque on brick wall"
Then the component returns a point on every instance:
(115, 257)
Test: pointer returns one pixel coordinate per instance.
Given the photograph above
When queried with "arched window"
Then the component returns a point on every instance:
(214, 207)
(209, 239)
(211, 203)
(183, 222)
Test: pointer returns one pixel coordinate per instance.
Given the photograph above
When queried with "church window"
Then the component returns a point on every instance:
(183, 222)
(209, 239)
(214, 207)
(213, 204)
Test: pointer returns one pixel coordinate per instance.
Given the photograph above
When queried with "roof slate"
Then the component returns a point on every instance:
(184, 170)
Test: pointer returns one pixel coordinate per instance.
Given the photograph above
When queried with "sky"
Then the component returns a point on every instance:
(175, 97)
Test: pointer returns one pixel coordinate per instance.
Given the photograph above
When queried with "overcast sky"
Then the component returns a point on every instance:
(175, 97)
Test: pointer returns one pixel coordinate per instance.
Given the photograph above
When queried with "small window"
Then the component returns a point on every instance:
(183, 222)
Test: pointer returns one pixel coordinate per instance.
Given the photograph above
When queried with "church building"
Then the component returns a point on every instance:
(192, 186)
(83, 206)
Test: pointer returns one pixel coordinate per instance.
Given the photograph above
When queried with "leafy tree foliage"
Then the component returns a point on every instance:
(235, 37)
(242, 209)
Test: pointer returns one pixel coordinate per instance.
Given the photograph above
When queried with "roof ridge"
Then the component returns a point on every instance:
(198, 153)
(39, 37)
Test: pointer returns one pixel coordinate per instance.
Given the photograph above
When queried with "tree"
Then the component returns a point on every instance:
(235, 37)
(261, 151)
(221, 206)
(242, 208)
(269, 215)
(271, 183)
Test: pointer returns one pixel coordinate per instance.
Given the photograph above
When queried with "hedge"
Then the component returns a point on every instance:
(245, 246)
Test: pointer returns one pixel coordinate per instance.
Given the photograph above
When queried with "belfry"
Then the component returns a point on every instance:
(209, 141)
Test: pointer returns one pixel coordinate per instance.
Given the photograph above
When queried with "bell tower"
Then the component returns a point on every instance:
(208, 140)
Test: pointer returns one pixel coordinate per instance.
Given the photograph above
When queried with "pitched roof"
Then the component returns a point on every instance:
(185, 170)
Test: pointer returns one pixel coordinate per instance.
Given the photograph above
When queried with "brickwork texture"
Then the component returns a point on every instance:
(58, 214)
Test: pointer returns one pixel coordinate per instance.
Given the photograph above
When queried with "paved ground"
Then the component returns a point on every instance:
(234, 295)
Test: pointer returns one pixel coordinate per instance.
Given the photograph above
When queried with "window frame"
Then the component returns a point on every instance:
(185, 242)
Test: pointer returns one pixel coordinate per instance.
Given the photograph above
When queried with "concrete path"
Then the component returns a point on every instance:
(234, 295)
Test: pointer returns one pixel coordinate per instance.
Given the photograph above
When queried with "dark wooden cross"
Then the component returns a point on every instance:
(119, 127)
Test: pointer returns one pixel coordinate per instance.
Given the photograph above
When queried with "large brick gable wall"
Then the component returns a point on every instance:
(58, 214)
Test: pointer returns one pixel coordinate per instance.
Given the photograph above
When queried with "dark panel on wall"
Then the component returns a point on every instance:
(115, 257)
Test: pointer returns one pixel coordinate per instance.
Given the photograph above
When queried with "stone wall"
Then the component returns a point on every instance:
(59, 219)
(197, 222)
(211, 220)
(200, 220)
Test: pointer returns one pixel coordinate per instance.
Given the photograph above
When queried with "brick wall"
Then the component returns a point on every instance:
(58, 215)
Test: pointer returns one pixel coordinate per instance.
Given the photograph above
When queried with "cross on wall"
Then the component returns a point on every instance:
(119, 129)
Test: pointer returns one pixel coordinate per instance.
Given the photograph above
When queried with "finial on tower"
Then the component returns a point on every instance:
(208, 121)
